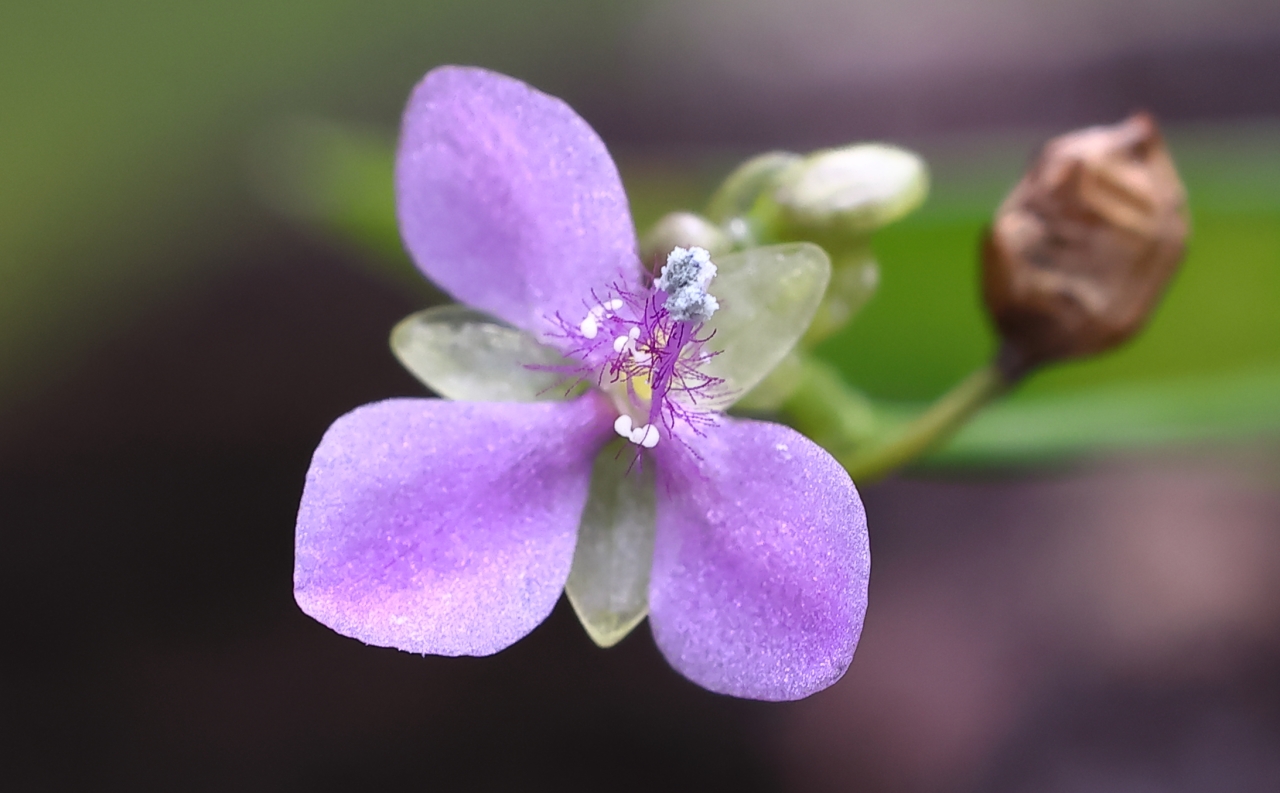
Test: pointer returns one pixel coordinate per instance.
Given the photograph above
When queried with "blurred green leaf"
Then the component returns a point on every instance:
(1242, 405)
(1208, 367)
(339, 178)
(125, 126)
(927, 328)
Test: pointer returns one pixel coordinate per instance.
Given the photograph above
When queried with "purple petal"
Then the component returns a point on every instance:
(508, 200)
(445, 527)
(761, 561)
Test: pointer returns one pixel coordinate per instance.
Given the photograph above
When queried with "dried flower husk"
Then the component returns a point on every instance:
(1083, 247)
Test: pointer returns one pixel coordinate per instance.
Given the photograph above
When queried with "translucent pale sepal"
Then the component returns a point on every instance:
(468, 356)
(768, 296)
(773, 391)
(854, 278)
(609, 581)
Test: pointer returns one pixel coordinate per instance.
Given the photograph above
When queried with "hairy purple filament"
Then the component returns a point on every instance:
(650, 362)
(670, 354)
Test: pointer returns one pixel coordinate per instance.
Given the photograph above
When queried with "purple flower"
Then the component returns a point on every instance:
(450, 527)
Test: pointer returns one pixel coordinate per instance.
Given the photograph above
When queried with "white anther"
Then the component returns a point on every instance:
(622, 426)
(606, 308)
(645, 435)
(634, 333)
(589, 326)
(620, 343)
(649, 436)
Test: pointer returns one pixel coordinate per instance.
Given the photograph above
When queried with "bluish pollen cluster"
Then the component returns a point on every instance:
(646, 350)
(685, 278)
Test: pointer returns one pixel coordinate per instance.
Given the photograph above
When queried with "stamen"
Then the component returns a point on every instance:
(645, 435)
(590, 325)
(646, 350)
(650, 437)
(685, 278)
(622, 425)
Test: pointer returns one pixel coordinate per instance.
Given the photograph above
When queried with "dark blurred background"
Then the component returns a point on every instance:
(1081, 594)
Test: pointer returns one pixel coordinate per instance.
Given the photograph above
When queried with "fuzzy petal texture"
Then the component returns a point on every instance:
(509, 201)
(445, 527)
(761, 561)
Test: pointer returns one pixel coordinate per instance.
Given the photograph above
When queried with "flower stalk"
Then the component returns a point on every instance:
(871, 445)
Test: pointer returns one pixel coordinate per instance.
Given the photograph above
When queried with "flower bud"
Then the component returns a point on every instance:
(850, 191)
(1081, 250)
(737, 195)
(681, 230)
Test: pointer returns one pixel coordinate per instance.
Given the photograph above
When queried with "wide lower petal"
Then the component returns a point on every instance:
(445, 527)
(508, 200)
(761, 560)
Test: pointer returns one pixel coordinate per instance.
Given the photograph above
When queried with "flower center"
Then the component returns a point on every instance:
(646, 350)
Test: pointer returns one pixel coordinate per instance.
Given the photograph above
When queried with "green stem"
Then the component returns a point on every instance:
(870, 446)
(929, 429)
(824, 407)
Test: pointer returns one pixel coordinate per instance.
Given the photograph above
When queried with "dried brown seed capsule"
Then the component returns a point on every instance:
(1083, 247)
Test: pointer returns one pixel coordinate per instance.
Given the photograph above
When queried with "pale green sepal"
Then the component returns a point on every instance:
(775, 389)
(768, 296)
(855, 275)
(609, 582)
(468, 356)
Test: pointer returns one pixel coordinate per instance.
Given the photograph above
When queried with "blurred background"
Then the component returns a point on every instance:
(1081, 593)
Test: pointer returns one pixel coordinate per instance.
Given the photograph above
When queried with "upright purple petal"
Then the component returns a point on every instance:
(761, 561)
(445, 527)
(508, 200)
